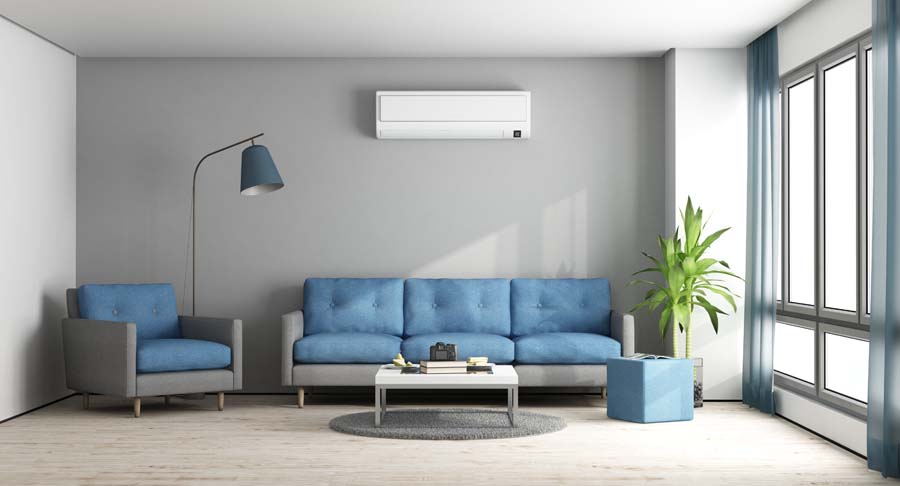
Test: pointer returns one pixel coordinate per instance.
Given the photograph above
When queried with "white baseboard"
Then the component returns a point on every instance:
(840, 427)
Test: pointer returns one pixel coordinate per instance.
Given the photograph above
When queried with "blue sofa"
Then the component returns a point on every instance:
(556, 332)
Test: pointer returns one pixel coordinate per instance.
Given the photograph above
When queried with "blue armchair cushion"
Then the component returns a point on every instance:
(150, 306)
(456, 305)
(498, 349)
(566, 348)
(346, 347)
(364, 305)
(157, 355)
(560, 305)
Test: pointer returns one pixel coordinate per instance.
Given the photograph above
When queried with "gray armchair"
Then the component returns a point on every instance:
(128, 341)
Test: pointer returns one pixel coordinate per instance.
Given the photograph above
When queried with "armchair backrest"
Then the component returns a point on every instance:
(72, 303)
(150, 306)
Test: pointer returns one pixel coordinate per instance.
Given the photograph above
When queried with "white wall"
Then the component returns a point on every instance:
(818, 27)
(37, 214)
(706, 159)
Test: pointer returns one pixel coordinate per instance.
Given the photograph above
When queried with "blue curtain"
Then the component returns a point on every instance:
(884, 347)
(763, 182)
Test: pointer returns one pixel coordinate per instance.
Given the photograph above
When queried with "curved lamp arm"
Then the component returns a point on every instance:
(194, 219)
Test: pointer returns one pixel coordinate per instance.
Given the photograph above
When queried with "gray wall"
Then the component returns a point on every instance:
(37, 215)
(581, 198)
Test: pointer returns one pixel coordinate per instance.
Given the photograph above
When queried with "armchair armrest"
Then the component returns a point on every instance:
(622, 330)
(100, 356)
(224, 331)
(291, 331)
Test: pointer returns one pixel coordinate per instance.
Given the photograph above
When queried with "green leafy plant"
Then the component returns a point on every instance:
(689, 279)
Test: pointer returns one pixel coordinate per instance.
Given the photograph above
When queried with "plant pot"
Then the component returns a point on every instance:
(698, 382)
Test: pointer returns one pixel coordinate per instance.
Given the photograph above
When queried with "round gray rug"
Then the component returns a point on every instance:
(447, 424)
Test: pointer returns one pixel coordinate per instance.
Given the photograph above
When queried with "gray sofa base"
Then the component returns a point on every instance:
(335, 374)
(587, 376)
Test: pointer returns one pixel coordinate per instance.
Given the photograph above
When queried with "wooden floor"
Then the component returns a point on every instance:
(266, 439)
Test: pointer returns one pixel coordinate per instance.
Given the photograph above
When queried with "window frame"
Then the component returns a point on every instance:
(865, 44)
(832, 397)
(791, 382)
(834, 59)
(800, 75)
(818, 317)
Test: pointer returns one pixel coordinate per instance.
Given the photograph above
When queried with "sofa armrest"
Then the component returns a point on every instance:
(100, 356)
(622, 330)
(219, 330)
(291, 331)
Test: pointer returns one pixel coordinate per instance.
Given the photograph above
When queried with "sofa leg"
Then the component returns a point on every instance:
(300, 397)
(137, 407)
(221, 399)
(168, 399)
(603, 392)
(86, 400)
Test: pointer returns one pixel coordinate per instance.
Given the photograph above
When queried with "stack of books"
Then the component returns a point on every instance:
(443, 367)
(479, 364)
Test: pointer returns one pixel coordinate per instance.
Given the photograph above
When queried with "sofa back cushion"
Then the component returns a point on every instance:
(353, 305)
(456, 305)
(150, 306)
(560, 305)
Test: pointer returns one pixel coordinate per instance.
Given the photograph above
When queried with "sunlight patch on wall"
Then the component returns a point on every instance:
(564, 237)
(493, 255)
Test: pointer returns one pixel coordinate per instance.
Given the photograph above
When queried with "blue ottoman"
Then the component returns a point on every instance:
(650, 389)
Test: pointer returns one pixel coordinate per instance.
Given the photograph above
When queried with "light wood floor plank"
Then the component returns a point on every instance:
(262, 439)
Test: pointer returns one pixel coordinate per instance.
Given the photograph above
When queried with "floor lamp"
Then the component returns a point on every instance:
(258, 176)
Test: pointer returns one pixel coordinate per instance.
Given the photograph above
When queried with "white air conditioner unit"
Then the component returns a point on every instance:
(453, 114)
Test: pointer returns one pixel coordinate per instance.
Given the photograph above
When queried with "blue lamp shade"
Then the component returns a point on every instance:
(258, 172)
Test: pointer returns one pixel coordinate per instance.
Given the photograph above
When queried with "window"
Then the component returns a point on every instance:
(840, 161)
(847, 366)
(821, 337)
(795, 351)
(802, 192)
(870, 156)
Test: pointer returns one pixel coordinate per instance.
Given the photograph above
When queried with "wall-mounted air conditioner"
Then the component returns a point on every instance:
(453, 114)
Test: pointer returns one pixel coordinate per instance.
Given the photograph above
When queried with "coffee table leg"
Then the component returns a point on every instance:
(512, 404)
(377, 406)
(383, 403)
(515, 403)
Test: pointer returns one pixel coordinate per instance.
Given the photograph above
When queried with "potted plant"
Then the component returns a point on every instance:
(689, 280)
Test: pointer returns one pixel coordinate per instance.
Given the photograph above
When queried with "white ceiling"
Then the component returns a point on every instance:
(394, 28)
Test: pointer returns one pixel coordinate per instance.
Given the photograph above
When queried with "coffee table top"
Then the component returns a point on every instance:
(503, 376)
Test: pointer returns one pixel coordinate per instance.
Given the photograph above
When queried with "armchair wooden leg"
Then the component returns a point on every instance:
(300, 397)
(603, 392)
(86, 400)
(168, 399)
(137, 407)
(221, 398)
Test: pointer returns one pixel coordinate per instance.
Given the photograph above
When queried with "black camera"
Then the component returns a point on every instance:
(443, 352)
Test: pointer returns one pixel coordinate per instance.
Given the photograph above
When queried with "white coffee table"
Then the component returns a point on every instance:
(503, 377)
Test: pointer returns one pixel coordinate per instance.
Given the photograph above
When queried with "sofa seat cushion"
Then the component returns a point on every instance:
(151, 307)
(158, 355)
(498, 349)
(566, 348)
(347, 347)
